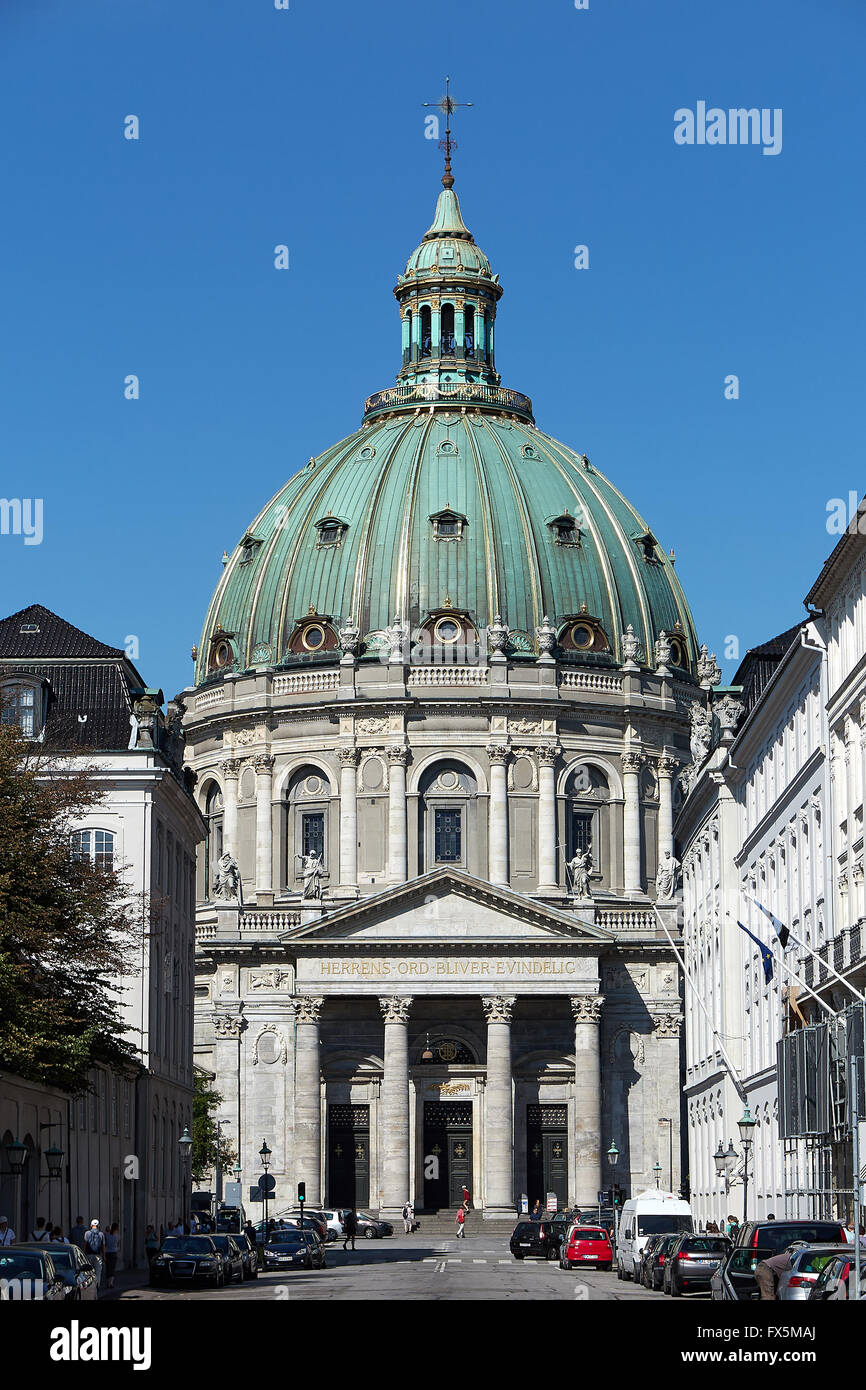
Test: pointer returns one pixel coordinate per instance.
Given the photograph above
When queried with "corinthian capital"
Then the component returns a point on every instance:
(231, 767)
(631, 762)
(229, 1025)
(395, 1008)
(263, 762)
(349, 757)
(308, 1007)
(547, 753)
(667, 765)
(398, 757)
(498, 753)
(497, 1007)
(666, 1024)
(586, 1008)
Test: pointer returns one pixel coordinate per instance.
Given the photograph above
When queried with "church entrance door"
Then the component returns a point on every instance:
(447, 1153)
(547, 1153)
(349, 1155)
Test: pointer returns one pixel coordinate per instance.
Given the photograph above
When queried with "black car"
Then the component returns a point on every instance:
(734, 1280)
(232, 1256)
(538, 1238)
(29, 1275)
(72, 1266)
(249, 1255)
(648, 1266)
(295, 1248)
(691, 1262)
(188, 1260)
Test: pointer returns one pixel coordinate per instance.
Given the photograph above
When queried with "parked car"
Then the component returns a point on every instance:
(371, 1228)
(652, 1244)
(249, 1255)
(586, 1245)
(734, 1280)
(534, 1238)
(294, 1246)
(315, 1216)
(650, 1213)
(834, 1281)
(188, 1260)
(334, 1220)
(691, 1263)
(796, 1283)
(28, 1274)
(72, 1266)
(232, 1256)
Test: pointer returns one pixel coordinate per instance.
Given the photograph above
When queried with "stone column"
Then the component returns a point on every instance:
(667, 767)
(498, 1109)
(631, 762)
(264, 765)
(397, 759)
(547, 755)
(349, 758)
(395, 1104)
(231, 768)
(498, 753)
(586, 1010)
(665, 1064)
(308, 1097)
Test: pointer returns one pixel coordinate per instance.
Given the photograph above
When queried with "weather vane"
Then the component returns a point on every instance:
(446, 105)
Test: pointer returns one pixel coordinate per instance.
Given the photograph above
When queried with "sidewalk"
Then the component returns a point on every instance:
(124, 1280)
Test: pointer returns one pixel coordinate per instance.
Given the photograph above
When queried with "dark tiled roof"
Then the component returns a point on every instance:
(759, 664)
(55, 637)
(87, 684)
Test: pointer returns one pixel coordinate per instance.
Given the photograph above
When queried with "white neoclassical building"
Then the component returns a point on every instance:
(441, 702)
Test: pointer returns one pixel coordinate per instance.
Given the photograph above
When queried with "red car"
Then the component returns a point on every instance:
(586, 1245)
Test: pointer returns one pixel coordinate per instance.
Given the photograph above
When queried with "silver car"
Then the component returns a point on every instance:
(796, 1283)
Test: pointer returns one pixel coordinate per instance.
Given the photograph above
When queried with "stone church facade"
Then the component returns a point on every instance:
(441, 704)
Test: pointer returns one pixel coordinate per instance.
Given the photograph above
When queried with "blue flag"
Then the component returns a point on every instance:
(779, 927)
(766, 954)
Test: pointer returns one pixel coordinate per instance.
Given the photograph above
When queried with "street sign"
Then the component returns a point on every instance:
(267, 1182)
(234, 1194)
(256, 1194)
(552, 1201)
(602, 1198)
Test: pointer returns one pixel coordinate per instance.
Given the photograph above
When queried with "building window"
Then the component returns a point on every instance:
(449, 346)
(213, 845)
(448, 525)
(580, 832)
(564, 529)
(95, 845)
(330, 528)
(313, 833)
(469, 330)
(447, 835)
(19, 705)
(426, 332)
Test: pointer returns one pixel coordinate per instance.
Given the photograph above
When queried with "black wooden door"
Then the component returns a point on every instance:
(349, 1155)
(447, 1153)
(459, 1166)
(546, 1153)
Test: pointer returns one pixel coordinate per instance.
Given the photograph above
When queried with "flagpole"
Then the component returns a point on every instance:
(861, 999)
(740, 1088)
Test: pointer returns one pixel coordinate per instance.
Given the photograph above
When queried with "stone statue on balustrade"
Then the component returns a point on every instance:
(666, 877)
(228, 880)
(312, 872)
(580, 867)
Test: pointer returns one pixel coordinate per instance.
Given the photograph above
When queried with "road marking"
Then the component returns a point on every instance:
(431, 1260)
(504, 1262)
(479, 1262)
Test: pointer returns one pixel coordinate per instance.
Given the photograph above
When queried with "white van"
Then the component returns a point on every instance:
(651, 1213)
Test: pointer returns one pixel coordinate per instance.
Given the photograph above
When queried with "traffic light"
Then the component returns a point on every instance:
(302, 1193)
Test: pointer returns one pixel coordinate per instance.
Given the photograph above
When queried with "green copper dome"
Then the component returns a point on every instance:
(447, 498)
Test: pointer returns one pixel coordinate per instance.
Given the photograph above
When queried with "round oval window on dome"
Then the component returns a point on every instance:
(313, 637)
(222, 654)
(678, 657)
(447, 630)
(583, 636)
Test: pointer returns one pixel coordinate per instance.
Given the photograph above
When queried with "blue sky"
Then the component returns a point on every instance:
(306, 127)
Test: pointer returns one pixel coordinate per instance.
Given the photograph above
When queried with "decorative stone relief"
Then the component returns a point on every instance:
(231, 767)
(372, 725)
(229, 1025)
(632, 761)
(626, 1041)
(497, 1008)
(308, 1007)
(498, 753)
(263, 762)
(269, 979)
(728, 711)
(547, 753)
(630, 645)
(497, 636)
(667, 1025)
(395, 1008)
(227, 982)
(270, 1046)
(398, 757)
(709, 670)
(586, 1008)
(349, 757)
(546, 638)
(662, 651)
(525, 726)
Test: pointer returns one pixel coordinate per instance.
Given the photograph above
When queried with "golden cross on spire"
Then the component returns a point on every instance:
(446, 105)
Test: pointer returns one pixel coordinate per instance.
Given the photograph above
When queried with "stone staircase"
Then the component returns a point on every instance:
(442, 1223)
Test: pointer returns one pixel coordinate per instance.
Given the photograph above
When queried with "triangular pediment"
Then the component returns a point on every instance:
(449, 906)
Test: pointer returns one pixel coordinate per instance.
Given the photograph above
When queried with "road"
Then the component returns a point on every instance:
(420, 1267)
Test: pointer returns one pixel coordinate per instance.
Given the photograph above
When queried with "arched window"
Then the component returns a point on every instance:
(95, 845)
(407, 351)
(307, 801)
(447, 806)
(449, 343)
(469, 330)
(426, 332)
(21, 704)
(486, 336)
(213, 845)
(586, 812)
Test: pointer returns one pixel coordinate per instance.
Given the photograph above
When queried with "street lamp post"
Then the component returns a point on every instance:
(265, 1156)
(53, 1162)
(612, 1157)
(665, 1120)
(184, 1143)
(725, 1159)
(746, 1126)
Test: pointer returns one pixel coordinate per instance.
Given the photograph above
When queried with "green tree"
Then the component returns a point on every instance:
(206, 1101)
(69, 934)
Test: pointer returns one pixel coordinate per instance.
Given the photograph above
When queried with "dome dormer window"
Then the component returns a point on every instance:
(248, 546)
(564, 528)
(221, 656)
(331, 530)
(647, 545)
(584, 633)
(448, 525)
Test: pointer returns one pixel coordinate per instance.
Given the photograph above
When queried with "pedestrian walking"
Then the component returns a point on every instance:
(57, 1236)
(112, 1250)
(94, 1248)
(40, 1231)
(408, 1218)
(7, 1235)
(250, 1233)
(535, 1214)
(465, 1198)
(350, 1227)
(151, 1244)
(76, 1235)
(461, 1222)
